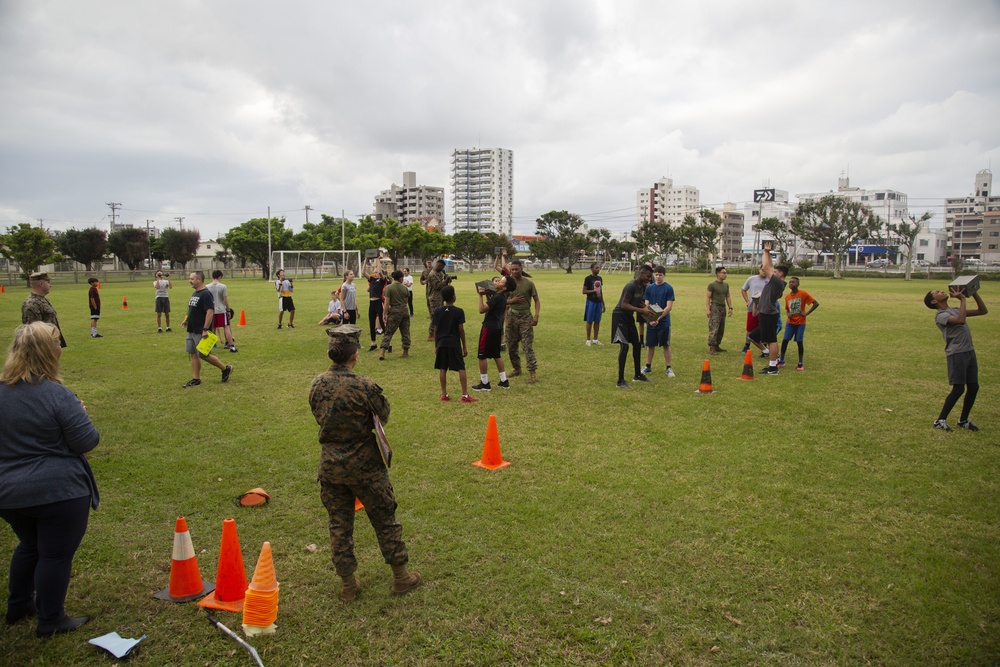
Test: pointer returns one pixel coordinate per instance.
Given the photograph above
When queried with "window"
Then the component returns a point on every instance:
(924, 243)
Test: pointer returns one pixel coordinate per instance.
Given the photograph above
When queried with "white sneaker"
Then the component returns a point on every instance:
(588, 343)
(597, 342)
(670, 373)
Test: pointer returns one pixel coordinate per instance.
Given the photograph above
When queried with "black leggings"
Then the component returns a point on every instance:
(41, 565)
(623, 357)
(956, 393)
(375, 313)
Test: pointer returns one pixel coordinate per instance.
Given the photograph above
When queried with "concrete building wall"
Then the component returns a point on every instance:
(482, 185)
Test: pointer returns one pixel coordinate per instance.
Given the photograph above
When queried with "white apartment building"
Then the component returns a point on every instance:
(411, 203)
(972, 223)
(665, 203)
(730, 247)
(931, 245)
(482, 190)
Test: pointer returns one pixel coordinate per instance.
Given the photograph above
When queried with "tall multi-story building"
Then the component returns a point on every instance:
(754, 212)
(665, 203)
(972, 223)
(482, 190)
(731, 241)
(411, 203)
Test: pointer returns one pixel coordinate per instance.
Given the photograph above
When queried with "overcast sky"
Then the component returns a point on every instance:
(216, 110)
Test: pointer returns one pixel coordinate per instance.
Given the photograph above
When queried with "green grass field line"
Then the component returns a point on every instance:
(808, 518)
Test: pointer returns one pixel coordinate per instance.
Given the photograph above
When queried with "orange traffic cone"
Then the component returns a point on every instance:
(748, 367)
(358, 505)
(124, 303)
(706, 380)
(491, 448)
(243, 318)
(185, 579)
(2, 290)
(260, 609)
(231, 576)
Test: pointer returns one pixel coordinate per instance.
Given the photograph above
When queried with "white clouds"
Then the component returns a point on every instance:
(228, 106)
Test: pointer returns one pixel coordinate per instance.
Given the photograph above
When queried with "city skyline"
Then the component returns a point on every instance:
(215, 112)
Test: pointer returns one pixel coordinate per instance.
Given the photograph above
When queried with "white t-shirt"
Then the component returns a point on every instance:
(408, 281)
(334, 307)
(161, 287)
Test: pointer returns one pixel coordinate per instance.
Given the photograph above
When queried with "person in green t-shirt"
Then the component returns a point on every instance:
(520, 323)
(716, 301)
(397, 315)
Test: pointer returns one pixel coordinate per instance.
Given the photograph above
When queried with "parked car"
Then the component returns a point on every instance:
(879, 263)
(922, 263)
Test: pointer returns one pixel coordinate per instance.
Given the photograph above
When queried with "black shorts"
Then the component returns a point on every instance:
(285, 303)
(623, 330)
(768, 328)
(489, 343)
(163, 304)
(963, 368)
(95, 313)
(449, 359)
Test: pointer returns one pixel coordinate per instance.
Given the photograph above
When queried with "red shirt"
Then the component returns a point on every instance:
(796, 304)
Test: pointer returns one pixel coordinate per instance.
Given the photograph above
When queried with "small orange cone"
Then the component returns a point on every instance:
(2, 290)
(260, 608)
(243, 318)
(185, 579)
(124, 303)
(491, 448)
(748, 367)
(357, 504)
(231, 576)
(706, 380)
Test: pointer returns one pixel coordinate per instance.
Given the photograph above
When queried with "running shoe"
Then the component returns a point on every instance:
(482, 386)
(468, 399)
(967, 425)
(941, 425)
(194, 382)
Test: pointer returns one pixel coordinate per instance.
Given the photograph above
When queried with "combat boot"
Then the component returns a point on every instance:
(514, 372)
(350, 588)
(531, 377)
(403, 580)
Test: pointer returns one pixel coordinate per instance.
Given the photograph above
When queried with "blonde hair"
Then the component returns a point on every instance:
(33, 355)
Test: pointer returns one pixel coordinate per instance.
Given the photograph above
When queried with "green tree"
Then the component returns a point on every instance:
(470, 246)
(700, 236)
(657, 238)
(29, 246)
(907, 233)
(180, 246)
(833, 224)
(248, 242)
(130, 246)
(599, 238)
(85, 246)
(564, 238)
(781, 231)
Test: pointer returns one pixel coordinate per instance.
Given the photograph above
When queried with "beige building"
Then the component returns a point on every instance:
(663, 202)
(482, 190)
(972, 223)
(409, 202)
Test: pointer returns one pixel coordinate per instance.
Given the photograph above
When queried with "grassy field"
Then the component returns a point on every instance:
(808, 518)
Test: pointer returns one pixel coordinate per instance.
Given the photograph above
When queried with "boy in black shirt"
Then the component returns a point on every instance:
(492, 332)
(448, 324)
(623, 330)
(95, 307)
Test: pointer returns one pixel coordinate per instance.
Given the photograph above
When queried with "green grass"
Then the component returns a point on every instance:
(808, 518)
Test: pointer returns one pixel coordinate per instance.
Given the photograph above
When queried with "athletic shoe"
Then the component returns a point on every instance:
(226, 373)
(746, 348)
(941, 425)
(781, 364)
(765, 353)
(482, 386)
(373, 348)
(279, 326)
(378, 331)
(445, 397)
(232, 348)
(670, 373)
(623, 385)
(97, 336)
(194, 382)
(587, 343)
(647, 370)
(504, 384)
(800, 367)
(169, 329)
(769, 370)
(291, 326)
(640, 378)
(968, 425)
(468, 399)
(159, 330)
(597, 342)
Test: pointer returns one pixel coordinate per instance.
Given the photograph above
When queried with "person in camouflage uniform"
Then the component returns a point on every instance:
(350, 463)
(436, 280)
(397, 315)
(36, 308)
(520, 323)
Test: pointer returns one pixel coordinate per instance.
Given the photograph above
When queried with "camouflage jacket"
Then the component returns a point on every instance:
(36, 308)
(343, 403)
(435, 281)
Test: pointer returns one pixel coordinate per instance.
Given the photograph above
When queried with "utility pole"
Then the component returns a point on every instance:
(148, 221)
(114, 208)
(180, 221)
(308, 208)
(267, 266)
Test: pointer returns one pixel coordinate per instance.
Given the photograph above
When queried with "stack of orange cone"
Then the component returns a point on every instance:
(706, 380)
(491, 459)
(231, 576)
(260, 608)
(185, 579)
(243, 318)
(748, 367)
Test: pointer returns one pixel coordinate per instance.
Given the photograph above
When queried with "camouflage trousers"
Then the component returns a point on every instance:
(399, 319)
(520, 332)
(716, 325)
(380, 505)
(433, 303)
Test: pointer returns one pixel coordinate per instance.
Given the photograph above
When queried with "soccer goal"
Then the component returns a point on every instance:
(316, 264)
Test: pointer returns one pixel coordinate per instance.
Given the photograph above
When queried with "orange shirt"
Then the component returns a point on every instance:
(796, 305)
